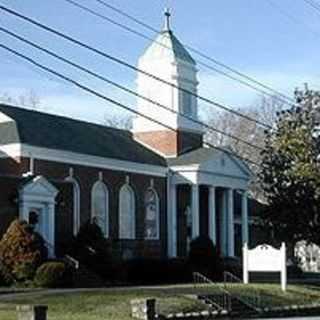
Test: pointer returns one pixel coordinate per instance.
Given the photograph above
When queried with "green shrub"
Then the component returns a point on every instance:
(21, 250)
(51, 275)
(92, 249)
(24, 271)
(204, 258)
(6, 278)
(233, 265)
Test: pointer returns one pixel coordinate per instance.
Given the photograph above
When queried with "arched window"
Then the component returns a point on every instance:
(127, 217)
(100, 206)
(76, 204)
(151, 220)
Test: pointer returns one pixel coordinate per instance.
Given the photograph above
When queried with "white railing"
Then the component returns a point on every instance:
(72, 261)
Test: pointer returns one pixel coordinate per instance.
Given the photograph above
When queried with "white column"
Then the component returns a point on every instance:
(212, 214)
(244, 222)
(172, 221)
(245, 263)
(230, 223)
(283, 267)
(223, 223)
(51, 230)
(195, 211)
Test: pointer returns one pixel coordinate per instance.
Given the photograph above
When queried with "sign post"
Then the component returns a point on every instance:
(265, 258)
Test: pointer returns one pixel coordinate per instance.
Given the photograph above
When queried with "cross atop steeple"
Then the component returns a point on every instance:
(167, 14)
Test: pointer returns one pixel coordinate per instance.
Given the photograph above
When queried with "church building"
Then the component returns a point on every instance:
(151, 190)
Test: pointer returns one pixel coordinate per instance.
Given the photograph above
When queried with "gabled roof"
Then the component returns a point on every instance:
(167, 44)
(203, 155)
(60, 133)
(193, 157)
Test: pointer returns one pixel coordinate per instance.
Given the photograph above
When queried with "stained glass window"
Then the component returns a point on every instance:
(127, 213)
(151, 203)
(100, 206)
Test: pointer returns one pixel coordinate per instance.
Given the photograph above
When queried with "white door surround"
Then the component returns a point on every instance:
(38, 196)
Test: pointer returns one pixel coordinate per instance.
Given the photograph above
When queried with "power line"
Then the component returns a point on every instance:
(126, 89)
(105, 98)
(313, 4)
(275, 94)
(291, 16)
(130, 66)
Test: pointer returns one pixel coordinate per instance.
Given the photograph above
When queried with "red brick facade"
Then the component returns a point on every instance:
(86, 176)
(170, 143)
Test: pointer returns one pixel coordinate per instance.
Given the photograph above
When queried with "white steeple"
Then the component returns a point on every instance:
(169, 60)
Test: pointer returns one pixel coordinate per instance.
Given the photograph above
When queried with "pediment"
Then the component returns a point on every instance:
(223, 163)
(39, 186)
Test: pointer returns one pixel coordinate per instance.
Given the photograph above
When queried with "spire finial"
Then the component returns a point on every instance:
(167, 14)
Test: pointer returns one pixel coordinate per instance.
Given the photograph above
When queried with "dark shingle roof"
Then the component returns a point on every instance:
(193, 157)
(178, 48)
(166, 45)
(61, 133)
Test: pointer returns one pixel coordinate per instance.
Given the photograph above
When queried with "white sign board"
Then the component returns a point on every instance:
(265, 258)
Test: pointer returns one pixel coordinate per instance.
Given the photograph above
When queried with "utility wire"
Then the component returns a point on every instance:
(106, 98)
(275, 94)
(313, 4)
(123, 88)
(291, 17)
(130, 66)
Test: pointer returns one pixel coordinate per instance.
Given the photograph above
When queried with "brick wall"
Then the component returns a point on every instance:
(170, 143)
(8, 201)
(87, 176)
(11, 171)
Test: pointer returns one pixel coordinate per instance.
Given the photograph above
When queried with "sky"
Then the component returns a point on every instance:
(273, 41)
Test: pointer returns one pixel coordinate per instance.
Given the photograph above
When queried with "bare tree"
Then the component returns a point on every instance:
(116, 121)
(264, 110)
(30, 99)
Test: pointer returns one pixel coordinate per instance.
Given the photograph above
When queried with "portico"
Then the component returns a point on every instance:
(203, 187)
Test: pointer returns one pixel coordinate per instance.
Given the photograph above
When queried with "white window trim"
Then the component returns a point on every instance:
(127, 185)
(106, 190)
(157, 237)
(76, 204)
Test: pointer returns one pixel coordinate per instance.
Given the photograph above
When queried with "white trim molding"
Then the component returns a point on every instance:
(23, 150)
(76, 204)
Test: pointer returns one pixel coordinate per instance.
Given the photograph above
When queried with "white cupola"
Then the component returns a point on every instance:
(167, 58)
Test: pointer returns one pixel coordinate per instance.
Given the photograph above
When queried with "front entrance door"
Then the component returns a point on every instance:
(37, 206)
(36, 219)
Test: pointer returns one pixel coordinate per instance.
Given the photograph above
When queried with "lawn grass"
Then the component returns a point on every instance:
(97, 306)
(115, 305)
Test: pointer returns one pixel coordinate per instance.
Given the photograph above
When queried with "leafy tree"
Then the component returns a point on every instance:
(290, 171)
(21, 250)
